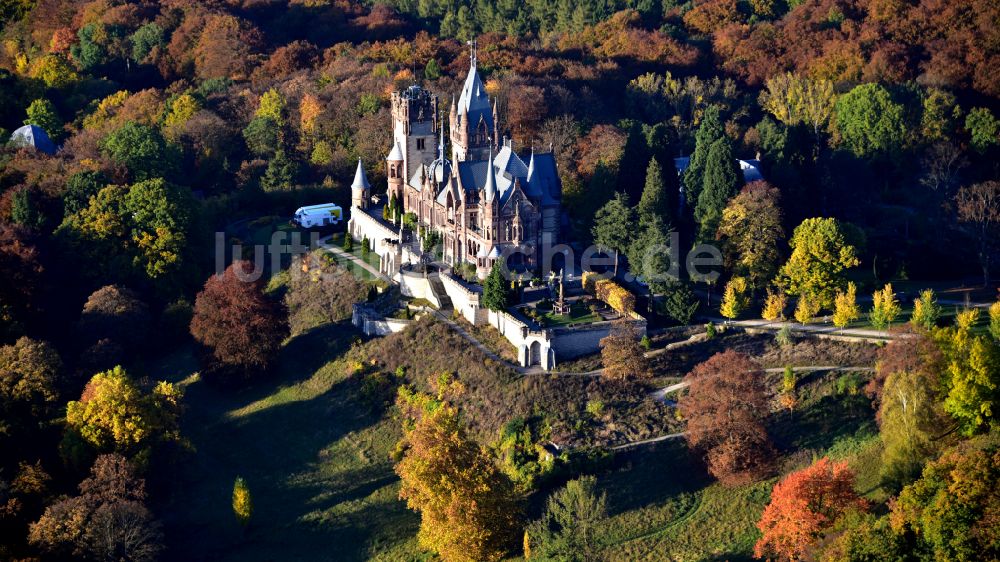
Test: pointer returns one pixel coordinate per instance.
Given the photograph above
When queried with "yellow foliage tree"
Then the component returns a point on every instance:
(54, 70)
(272, 106)
(845, 306)
(309, 112)
(806, 309)
(734, 298)
(182, 109)
(774, 306)
(468, 510)
(885, 308)
(242, 502)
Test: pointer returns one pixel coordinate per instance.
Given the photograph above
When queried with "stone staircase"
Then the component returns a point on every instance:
(438, 288)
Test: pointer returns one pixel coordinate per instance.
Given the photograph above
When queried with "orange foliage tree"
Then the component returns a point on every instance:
(803, 505)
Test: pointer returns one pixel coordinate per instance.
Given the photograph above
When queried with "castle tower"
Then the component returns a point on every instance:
(415, 123)
(361, 190)
(394, 173)
(473, 121)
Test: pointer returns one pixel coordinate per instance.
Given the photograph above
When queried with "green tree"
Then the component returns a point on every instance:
(973, 362)
(496, 289)
(41, 112)
(322, 154)
(272, 106)
(614, 226)
(280, 173)
(242, 501)
(80, 187)
(141, 149)
(87, 52)
(926, 310)
(25, 209)
(262, 136)
(566, 529)
(722, 179)
(649, 254)
(145, 39)
(885, 308)
(940, 115)
(709, 131)
(654, 201)
(820, 254)
(679, 302)
(870, 122)
(983, 127)
(432, 71)
(995, 321)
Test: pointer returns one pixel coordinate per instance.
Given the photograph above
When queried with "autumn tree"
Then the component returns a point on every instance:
(721, 180)
(115, 313)
(567, 526)
(614, 226)
(797, 100)
(242, 502)
(734, 298)
(926, 310)
(115, 415)
(240, 327)
(972, 363)
(725, 408)
(979, 208)
(804, 505)
(108, 520)
(751, 229)
(885, 308)
(20, 283)
(912, 421)
(951, 511)
(29, 389)
(621, 354)
(995, 321)
(821, 251)
(468, 511)
(774, 306)
(845, 306)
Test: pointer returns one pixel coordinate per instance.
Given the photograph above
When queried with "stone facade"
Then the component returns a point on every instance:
(483, 199)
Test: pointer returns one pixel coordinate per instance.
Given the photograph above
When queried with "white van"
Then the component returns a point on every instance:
(313, 216)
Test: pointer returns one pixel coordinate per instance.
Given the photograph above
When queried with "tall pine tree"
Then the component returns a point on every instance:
(654, 201)
(614, 226)
(722, 179)
(709, 131)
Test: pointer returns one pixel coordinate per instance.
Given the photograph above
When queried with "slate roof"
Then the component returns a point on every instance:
(750, 168)
(508, 166)
(360, 179)
(33, 136)
(474, 102)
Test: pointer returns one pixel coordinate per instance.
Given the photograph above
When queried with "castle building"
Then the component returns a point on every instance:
(483, 199)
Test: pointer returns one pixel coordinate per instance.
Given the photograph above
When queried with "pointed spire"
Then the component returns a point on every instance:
(491, 178)
(531, 166)
(395, 155)
(441, 144)
(360, 180)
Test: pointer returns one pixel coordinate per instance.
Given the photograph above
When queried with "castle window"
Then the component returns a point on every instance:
(420, 144)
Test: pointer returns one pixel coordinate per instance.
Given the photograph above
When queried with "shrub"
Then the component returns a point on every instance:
(616, 296)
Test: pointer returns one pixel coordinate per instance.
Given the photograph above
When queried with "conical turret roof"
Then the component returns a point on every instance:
(360, 179)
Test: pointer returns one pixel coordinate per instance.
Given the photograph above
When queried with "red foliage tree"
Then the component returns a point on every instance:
(725, 408)
(232, 318)
(803, 505)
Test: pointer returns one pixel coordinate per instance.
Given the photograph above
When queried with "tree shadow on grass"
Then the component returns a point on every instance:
(293, 454)
(821, 424)
(652, 475)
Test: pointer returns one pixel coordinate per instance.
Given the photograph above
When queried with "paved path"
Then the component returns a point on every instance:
(341, 253)
(828, 329)
(662, 393)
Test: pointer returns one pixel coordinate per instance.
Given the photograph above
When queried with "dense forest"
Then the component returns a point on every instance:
(154, 125)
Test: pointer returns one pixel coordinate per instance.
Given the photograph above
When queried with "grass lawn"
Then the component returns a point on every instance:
(337, 239)
(315, 457)
(579, 313)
